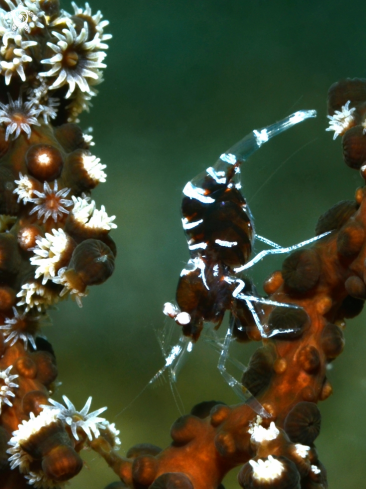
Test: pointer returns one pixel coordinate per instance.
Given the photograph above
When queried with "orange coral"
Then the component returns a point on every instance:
(288, 373)
(54, 242)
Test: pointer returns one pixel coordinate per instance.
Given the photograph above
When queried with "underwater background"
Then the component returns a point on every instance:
(186, 80)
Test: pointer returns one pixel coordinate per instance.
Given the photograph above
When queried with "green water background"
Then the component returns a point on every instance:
(185, 80)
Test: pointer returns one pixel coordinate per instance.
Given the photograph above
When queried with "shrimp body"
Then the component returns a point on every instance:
(220, 234)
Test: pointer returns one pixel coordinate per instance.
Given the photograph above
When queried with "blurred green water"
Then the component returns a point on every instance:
(185, 80)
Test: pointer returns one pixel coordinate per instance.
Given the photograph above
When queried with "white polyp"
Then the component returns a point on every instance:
(33, 294)
(19, 457)
(24, 188)
(88, 138)
(48, 253)
(183, 318)
(89, 423)
(61, 279)
(83, 208)
(6, 386)
(315, 469)
(94, 168)
(90, 57)
(85, 213)
(267, 470)
(341, 120)
(97, 19)
(260, 434)
(113, 432)
(13, 334)
(302, 450)
(100, 220)
(14, 57)
(42, 206)
(18, 116)
(39, 479)
(49, 109)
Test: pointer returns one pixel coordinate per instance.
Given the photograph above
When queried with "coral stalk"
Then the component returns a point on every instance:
(54, 242)
(288, 373)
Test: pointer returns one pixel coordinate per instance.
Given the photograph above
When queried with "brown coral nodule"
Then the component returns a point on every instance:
(336, 216)
(349, 89)
(287, 323)
(302, 423)
(301, 270)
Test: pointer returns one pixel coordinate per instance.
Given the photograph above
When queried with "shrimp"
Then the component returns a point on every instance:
(220, 233)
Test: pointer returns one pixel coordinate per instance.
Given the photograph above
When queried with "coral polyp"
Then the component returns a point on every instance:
(78, 420)
(18, 117)
(15, 54)
(51, 202)
(24, 188)
(76, 59)
(21, 327)
(54, 240)
(7, 387)
(341, 120)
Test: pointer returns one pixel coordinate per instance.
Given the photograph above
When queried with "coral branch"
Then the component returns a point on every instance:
(288, 373)
(54, 242)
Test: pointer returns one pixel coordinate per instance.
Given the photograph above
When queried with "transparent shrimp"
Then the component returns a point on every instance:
(220, 233)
